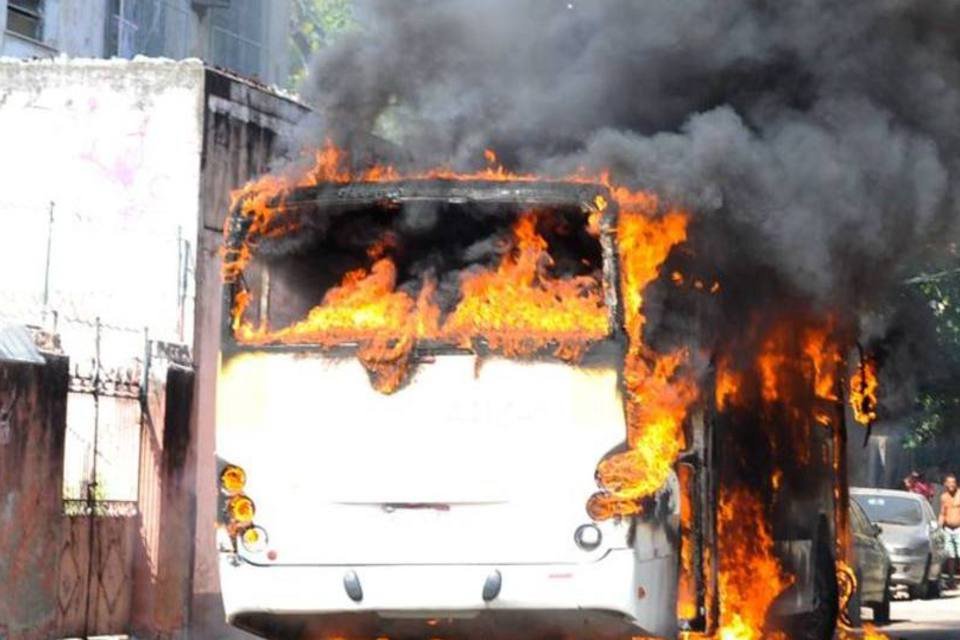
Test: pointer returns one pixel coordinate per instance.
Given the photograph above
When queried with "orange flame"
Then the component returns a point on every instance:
(750, 576)
(516, 309)
(846, 586)
(787, 355)
(726, 385)
(686, 589)
(863, 391)
(656, 393)
(870, 633)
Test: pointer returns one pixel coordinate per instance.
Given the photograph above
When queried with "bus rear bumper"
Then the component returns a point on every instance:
(614, 597)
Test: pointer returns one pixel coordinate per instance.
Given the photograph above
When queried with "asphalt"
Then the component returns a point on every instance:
(924, 619)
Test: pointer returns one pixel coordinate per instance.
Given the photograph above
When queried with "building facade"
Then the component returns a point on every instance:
(114, 206)
(247, 37)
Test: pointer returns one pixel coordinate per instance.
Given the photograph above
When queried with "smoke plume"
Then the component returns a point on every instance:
(824, 133)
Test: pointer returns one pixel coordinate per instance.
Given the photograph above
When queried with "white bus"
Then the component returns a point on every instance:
(454, 506)
(384, 474)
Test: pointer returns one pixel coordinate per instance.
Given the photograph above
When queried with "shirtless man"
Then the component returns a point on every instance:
(950, 522)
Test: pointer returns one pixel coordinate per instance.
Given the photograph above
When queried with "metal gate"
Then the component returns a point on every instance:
(101, 484)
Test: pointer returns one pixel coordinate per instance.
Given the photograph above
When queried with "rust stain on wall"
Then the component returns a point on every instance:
(31, 472)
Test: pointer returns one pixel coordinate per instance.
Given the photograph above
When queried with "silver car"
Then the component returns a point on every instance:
(872, 566)
(909, 531)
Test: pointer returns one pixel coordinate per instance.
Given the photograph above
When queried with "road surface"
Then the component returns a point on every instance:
(925, 619)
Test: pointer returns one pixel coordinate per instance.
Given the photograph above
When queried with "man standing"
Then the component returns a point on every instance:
(950, 522)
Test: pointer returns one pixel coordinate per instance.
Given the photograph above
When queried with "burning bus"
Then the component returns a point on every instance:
(438, 416)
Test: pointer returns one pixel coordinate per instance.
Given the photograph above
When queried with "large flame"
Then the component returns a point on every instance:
(657, 394)
(750, 576)
(780, 383)
(515, 308)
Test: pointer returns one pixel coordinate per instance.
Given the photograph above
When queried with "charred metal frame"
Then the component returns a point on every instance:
(513, 194)
(701, 457)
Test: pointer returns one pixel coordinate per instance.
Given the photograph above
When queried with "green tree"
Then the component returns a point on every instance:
(313, 25)
(935, 435)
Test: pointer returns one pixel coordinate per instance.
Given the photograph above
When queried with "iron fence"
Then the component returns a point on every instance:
(72, 275)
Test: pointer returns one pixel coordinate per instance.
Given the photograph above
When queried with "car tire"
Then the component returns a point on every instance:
(881, 610)
(919, 592)
(922, 590)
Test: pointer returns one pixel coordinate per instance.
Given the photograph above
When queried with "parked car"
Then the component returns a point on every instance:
(872, 566)
(909, 531)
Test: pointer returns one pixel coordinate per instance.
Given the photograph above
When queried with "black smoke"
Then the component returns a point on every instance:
(824, 133)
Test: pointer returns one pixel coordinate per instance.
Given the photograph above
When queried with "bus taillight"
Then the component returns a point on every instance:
(232, 480)
(240, 509)
(254, 539)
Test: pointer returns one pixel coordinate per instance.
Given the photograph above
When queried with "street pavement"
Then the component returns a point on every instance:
(925, 619)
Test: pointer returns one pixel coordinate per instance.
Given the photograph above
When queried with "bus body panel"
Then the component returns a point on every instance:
(478, 464)
(474, 461)
(614, 597)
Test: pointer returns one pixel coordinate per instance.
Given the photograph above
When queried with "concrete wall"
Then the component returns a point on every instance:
(163, 564)
(241, 131)
(111, 573)
(32, 422)
(113, 148)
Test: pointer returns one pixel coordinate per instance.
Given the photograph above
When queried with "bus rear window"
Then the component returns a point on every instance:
(520, 282)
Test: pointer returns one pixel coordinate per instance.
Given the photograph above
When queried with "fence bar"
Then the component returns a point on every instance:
(46, 267)
(91, 486)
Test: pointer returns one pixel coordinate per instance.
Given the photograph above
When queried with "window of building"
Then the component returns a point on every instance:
(232, 33)
(237, 37)
(149, 27)
(25, 17)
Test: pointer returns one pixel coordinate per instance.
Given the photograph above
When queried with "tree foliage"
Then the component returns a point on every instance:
(313, 25)
(937, 422)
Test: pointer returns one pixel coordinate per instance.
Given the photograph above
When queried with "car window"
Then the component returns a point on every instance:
(891, 509)
(858, 520)
(928, 511)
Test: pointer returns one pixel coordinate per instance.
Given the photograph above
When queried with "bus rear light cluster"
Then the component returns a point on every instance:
(240, 511)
